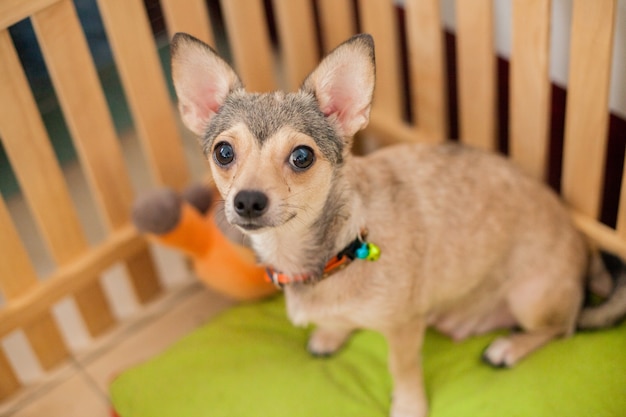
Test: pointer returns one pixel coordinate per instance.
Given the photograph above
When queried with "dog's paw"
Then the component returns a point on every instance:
(410, 407)
(324, 342)
(501, 353)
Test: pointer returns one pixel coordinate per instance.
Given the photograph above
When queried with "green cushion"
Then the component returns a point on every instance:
(250, 361)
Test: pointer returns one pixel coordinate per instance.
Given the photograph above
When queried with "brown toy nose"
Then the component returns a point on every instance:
(250, 204)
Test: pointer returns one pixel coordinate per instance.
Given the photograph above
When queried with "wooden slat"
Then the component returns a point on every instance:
(388, 131)
(296, 33)
(427, 70)
(248, 37)
(140, 70)
(27, 145)
(17, 277)
(142, 265)
(190, 16)
(476, 63)
(17, 274)
(94, 309)
(65, 49)
(378, 18)
(600, 234)
(530, 86)
(28, 148)
(70, 278)
(587, 104)
(9, 383)
(337, 22)
(12, 11)
(46, 340)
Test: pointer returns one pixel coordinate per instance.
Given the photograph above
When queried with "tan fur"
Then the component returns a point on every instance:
(469, 244)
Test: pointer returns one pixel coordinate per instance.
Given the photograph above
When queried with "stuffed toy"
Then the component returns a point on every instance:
(186, 222)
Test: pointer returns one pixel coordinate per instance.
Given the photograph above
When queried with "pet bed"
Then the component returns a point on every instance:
(250, 361)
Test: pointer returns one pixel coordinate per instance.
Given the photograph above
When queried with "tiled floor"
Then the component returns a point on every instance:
(79, 388)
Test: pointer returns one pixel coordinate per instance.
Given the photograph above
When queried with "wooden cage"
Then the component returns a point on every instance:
(274, 44)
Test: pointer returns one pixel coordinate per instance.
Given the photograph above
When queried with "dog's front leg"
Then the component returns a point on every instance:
(405, 365)
(326, 340)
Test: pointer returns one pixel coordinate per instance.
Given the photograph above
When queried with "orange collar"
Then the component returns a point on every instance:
(357, 249)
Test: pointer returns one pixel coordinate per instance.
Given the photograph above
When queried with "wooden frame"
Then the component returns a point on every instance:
(415, 77)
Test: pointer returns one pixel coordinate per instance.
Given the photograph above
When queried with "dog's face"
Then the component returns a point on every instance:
(274, 156)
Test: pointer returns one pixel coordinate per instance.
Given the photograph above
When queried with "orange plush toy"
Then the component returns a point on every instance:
(186, 222)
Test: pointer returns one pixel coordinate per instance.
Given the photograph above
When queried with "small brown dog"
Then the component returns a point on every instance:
(467, 244)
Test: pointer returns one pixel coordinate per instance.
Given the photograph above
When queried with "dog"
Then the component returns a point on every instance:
(410, 236)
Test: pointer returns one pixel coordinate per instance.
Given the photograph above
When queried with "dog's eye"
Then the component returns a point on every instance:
(223, 153)
(302, 157)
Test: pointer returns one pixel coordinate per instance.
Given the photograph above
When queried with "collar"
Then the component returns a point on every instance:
(357, 249)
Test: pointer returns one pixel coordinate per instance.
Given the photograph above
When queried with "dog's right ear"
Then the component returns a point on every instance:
(202, 81)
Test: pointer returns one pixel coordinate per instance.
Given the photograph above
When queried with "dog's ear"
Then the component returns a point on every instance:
(202, 81)
(343, 84)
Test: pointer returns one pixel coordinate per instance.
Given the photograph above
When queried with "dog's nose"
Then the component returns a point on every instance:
(250, 204)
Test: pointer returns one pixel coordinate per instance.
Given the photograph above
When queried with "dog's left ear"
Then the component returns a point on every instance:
(343, 84)
(202, 81)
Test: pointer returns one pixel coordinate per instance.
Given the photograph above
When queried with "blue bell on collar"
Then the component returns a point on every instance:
(363, 251)
(368, 251)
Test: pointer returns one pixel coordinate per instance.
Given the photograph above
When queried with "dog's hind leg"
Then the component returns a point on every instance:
(544, 310)
(504, 352)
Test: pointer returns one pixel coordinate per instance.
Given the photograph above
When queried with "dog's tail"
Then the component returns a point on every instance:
(607, 277)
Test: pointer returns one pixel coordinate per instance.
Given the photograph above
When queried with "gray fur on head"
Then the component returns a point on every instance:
(265, 114)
